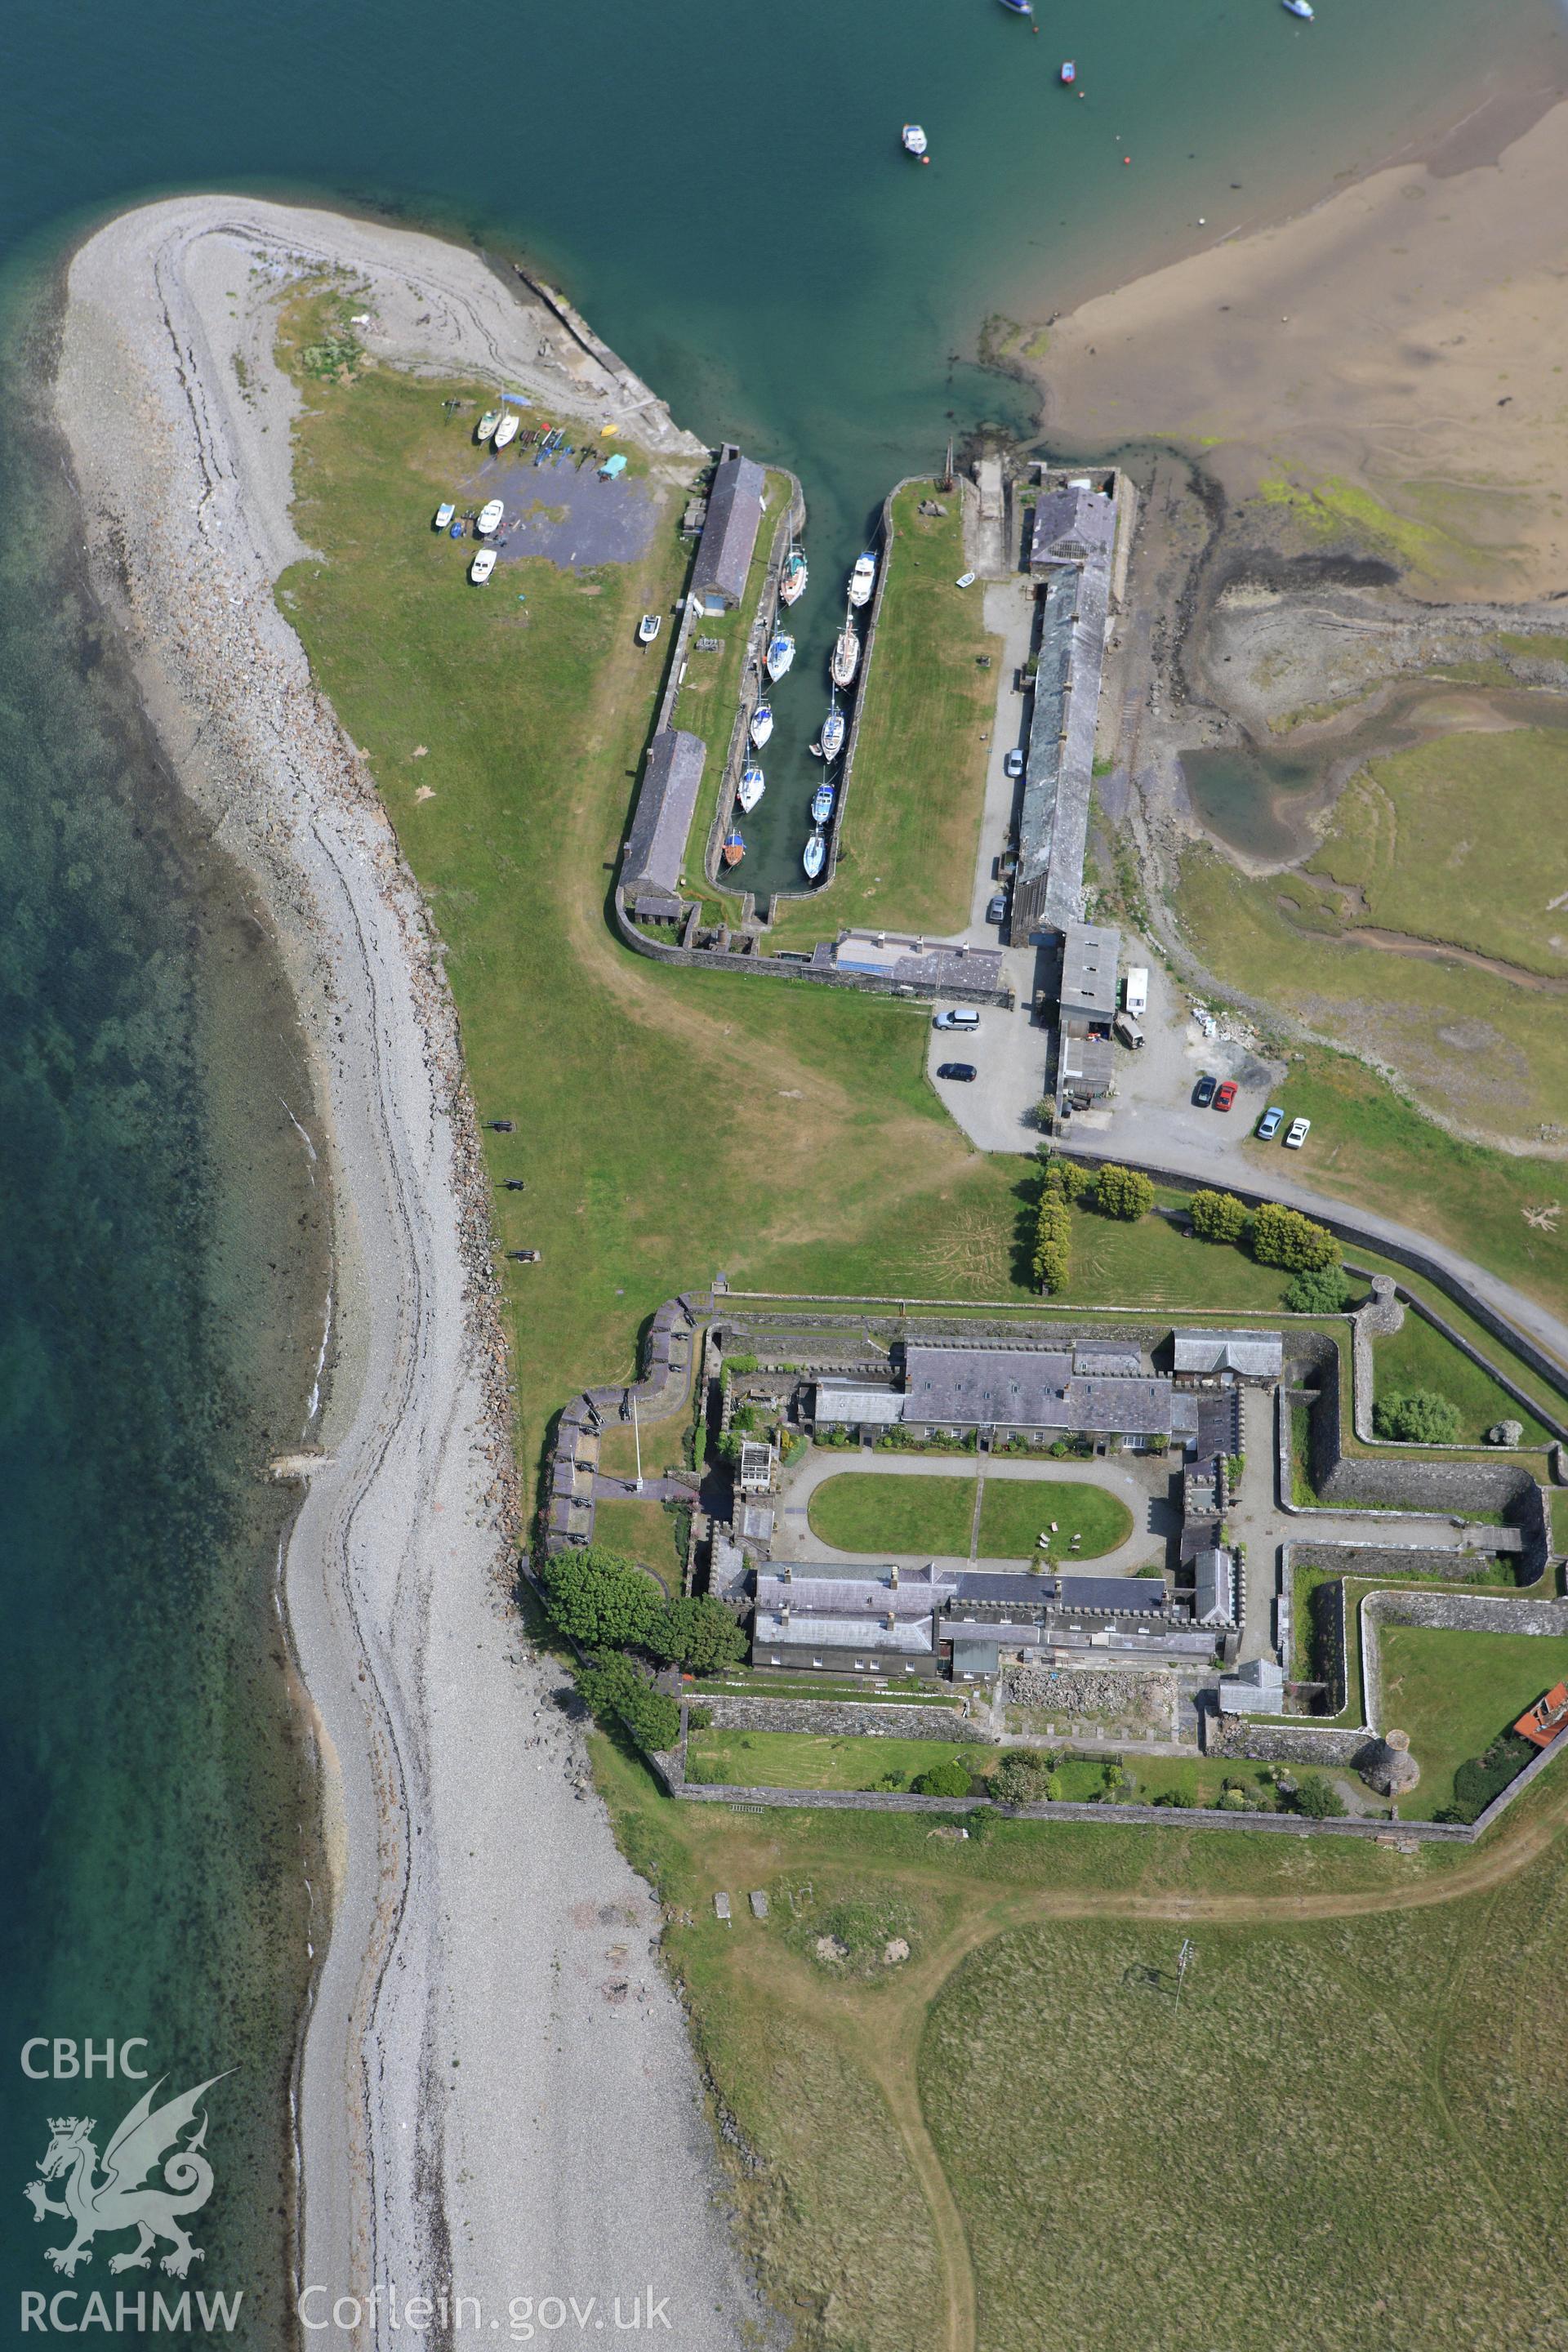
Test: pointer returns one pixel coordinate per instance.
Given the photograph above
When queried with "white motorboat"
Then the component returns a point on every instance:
(489, 518)
(833, 733)
(792, 579)
(506, 429)
(846, 658)
(483, 564)
(863, 578)
(443, 514)
(815, 857)
(915, 141)
(781, 653)
(1302, 9)
(648, 627)
(761, 724)
(751, 788)
(487, 425)
(966, 579)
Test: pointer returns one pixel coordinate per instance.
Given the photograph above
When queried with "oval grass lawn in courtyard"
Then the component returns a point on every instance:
(863, 1511)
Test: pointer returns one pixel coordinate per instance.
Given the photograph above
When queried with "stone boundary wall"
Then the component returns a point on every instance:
(1198, 1817)
(1345, 1482)
(847, 1719)
(1470, 1612)
(795, 968)
(1283, 1743)
(1383, 1315)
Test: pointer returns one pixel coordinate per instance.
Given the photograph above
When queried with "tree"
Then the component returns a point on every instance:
(1064, 1180)
(699, 1633)
(1123, 1193)
(615, 1685)
(1024, 1776)
(1320, 1290)
(600, 1598)
(1319, 1799)
(1285, 1237)
(1053, 1245)
(1420, 1418)
(1218, 1216)
(948, 1779)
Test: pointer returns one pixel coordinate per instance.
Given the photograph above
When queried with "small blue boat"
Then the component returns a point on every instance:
(822, 803)
(1020, 7)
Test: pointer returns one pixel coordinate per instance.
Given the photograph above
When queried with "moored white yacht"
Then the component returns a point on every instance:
(815, 856)
(915, 141)
(846, 658)
(833, 733)
(792, 579)
(863, 578)
(761, 724)
(751, 788)
(781, 653)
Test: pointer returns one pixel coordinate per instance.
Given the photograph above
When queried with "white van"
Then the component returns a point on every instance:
(963, 1016)
(1135, 991)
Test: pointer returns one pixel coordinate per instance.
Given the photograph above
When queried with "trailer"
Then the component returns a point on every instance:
(1135, 991)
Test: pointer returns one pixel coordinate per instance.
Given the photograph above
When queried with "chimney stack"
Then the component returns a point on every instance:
(889, 1620)
(788, 1572)
(894, 1577)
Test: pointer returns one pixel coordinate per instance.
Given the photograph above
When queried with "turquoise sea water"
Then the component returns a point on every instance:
(724, 194)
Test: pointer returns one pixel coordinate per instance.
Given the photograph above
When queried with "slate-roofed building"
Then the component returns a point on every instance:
(1115, 1596)
(787, 1637)
(656, 845)
(1111, 1358)
(857, 1404)
(1075, 523)
(1255, 1689)
(1031, 1389)
(843, 1593)
(1249, 1355)
(1214, 1597)
(1090, 955)
(729, 531)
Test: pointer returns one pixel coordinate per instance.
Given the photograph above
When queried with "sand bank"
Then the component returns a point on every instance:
(497, 2096)
(1404, 337)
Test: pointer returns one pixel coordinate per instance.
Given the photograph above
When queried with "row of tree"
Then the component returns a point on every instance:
(628, 1624)
(1277, 1236)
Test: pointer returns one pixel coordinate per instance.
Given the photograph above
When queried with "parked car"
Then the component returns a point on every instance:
(1295, 1134)
(1203, 1093)
(996, 910)
(1225, 1095)
(1012, 765)
(1269, 1125)
(959, 1016)
(962, 1072)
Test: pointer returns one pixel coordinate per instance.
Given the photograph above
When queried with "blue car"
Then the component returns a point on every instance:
(1269, 1126)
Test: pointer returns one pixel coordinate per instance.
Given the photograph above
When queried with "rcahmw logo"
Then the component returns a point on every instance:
(106, 2197)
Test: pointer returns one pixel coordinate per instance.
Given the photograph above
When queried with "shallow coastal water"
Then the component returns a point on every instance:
(162, 1273)
(727, 204)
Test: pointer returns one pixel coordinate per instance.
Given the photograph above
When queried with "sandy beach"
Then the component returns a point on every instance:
(497, 2098)
(1403, 337)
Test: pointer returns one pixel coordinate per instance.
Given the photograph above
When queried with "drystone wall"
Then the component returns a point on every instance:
(844, 1719)
(1318, 1746)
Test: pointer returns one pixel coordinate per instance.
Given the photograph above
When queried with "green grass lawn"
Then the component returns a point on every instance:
(912, 825)
(1369, 1146)
(804, 1759)
(1418, 1356)
(863, 1511)
(1015, 1512)
(645, 1531)
(1454, 1693)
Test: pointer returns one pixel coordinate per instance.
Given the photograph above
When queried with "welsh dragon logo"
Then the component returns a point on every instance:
(116, 2198)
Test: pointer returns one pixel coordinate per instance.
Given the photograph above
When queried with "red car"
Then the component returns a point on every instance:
(1225, 1095)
